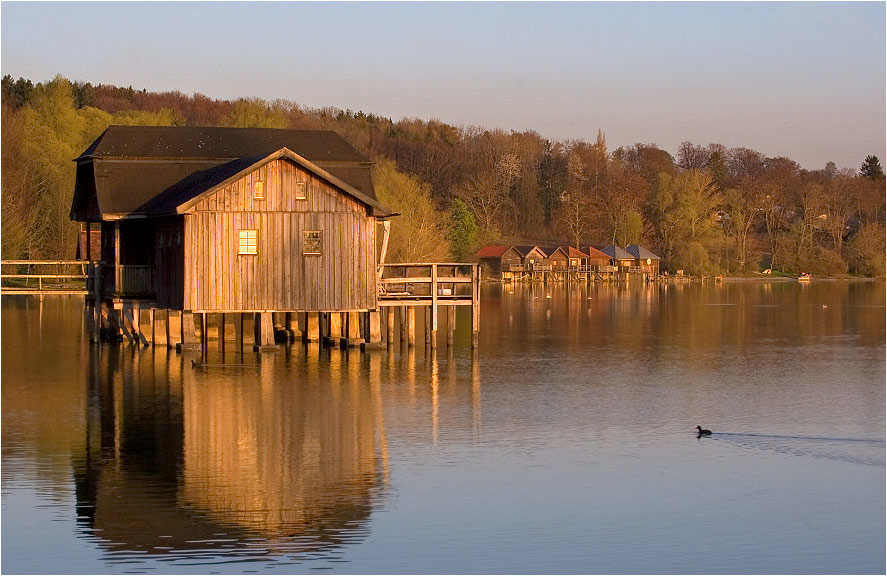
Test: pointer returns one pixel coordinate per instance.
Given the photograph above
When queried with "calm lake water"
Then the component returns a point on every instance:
(565, 444)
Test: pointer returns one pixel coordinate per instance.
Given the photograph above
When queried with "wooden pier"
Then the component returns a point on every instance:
(431, 289)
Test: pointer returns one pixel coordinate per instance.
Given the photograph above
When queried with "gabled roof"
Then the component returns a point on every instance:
(180, 197)
(640, 253)
(129, 167)
(595, 254)
(492, 251)
(220, 144)
(554, 250)
(575, 253)
(524, 250)
(616, 252)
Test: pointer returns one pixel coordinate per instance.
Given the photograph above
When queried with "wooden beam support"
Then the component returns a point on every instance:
(264, 332)
(389, 326)
(354, 336)
(189, 333)
(312, 334)
(174, 329)
(374, 320)
(160, 329)
(411, 326)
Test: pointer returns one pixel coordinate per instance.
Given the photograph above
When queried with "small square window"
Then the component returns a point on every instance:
(248, 242)
(301, 190)
(312, 242)
(258, 190)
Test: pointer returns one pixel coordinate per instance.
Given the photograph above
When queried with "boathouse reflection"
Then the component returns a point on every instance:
(190, 459)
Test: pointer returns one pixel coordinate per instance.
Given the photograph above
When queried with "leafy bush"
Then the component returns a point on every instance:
(866, 251)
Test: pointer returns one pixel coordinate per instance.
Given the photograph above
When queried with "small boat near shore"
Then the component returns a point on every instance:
(803, 277)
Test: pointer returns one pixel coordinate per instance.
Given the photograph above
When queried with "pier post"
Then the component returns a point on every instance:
(427, 312)
(389, 326)
(263, 325)
(335, 332)
(411, 325)
(354, 336)
(475, 305)
(291, 325)
(119, 319)
(146, 325)
(451, 324)
(174, 329)
(189, 333)
(431, 326)
(374, 320)
(312, 332)
(160, 317)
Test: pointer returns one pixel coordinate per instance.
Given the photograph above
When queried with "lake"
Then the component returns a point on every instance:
(564, 444)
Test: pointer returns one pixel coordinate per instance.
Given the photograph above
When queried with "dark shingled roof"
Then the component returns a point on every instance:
(144, 169)
(640, 253)
(219, 143)
(616, 252)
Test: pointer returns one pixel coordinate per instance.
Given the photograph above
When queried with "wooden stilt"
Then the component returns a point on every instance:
(389, 326)
(160, 330)
(411, 326)
(374, 320)
(291, 322)
(189, 333)
(475, 306)
(451, 324)
(334, 337)
(174, 329)
(354, 336)
(426, 310)
(120, 318)
(264, 332)
(312, 334)
(146, 325)
(402, 317)
(431, 318)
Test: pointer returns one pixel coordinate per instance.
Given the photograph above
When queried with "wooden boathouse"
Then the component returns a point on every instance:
(279, 226)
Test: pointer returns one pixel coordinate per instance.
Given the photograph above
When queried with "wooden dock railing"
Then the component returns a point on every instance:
(52, 277)
(431, 285)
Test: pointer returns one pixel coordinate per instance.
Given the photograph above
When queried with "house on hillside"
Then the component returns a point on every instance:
(646, 261)
(259, 220)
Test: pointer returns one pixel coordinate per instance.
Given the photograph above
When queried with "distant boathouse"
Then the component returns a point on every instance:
(279, 225)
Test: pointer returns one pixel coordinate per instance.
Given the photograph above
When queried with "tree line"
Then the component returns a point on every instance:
(708, 209)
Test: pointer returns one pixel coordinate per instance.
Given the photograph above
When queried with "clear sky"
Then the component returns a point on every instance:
(798, 79)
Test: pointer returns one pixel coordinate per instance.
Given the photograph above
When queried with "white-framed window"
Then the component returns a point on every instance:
(301, 191)
(248, 242)
(312, 242)
(259, 190)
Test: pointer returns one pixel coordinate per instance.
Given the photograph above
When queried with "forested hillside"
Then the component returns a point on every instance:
(708, 209)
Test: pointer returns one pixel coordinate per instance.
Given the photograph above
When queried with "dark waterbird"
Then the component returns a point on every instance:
(703, 431)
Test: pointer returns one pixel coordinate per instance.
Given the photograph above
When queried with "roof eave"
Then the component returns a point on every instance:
(289, 154)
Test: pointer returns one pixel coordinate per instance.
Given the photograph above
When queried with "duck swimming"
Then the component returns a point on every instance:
(703, 431)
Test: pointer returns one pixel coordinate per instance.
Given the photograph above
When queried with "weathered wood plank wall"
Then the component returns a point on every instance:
(279, 277)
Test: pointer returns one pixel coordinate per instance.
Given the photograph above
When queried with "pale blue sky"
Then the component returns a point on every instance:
(803, 80)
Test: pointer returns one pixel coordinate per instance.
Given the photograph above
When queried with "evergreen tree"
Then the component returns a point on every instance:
(463, 230)
(871, 168)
